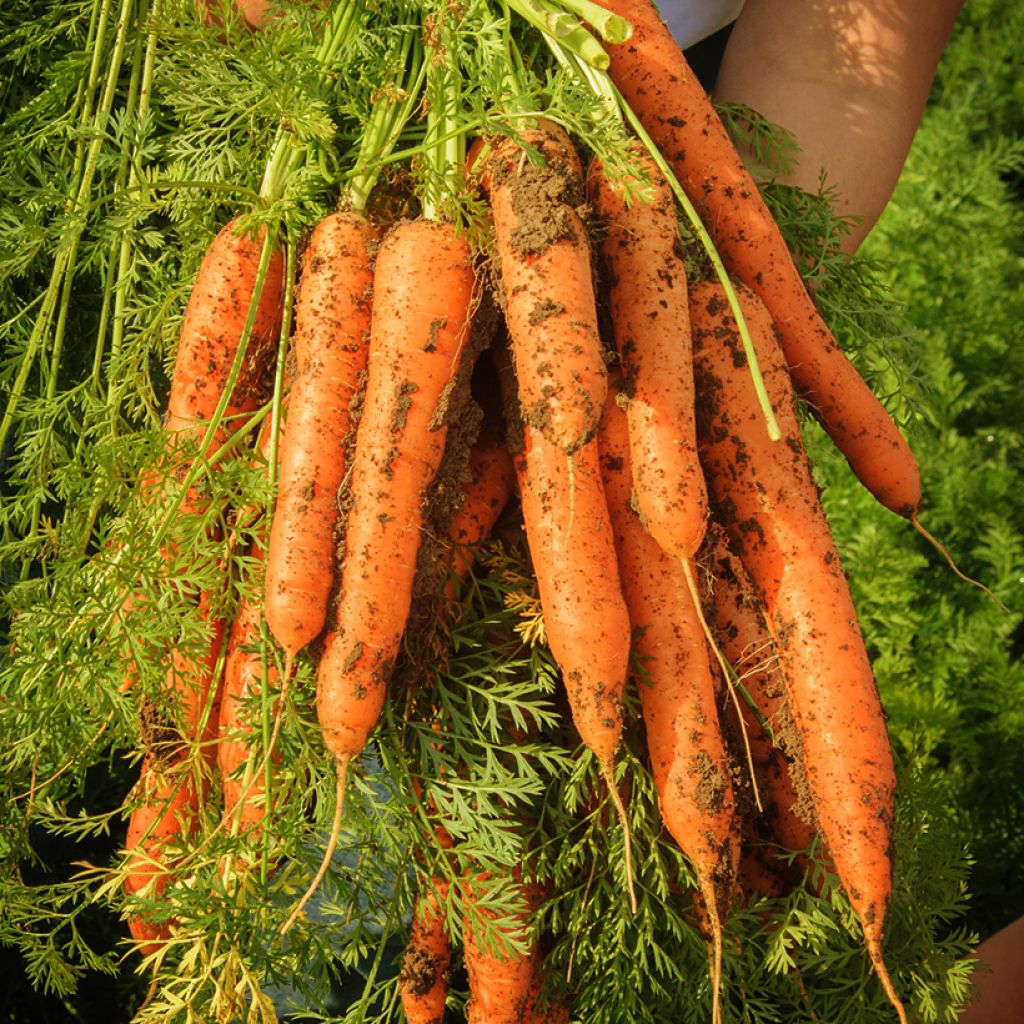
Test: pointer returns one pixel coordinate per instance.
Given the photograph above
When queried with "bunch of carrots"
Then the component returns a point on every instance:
(651, 435)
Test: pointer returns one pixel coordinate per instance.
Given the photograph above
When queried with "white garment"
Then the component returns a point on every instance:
(694, 20)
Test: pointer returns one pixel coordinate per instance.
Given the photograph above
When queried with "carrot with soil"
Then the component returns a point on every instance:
(425, 976)
(543, 258)
(585, 616)
(766, 499)
(650, 320)
(678, 692)
(658, 84)
(786, 818)
(332, 325)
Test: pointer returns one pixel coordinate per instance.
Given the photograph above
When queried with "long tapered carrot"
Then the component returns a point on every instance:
(544, 264)
(678, 693)
(768, 503)
(657, 82)
(423, 301)
(650, 319)
(332, 325)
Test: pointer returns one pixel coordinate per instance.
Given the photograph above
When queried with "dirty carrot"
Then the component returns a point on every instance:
(423, 299)
(543, 259)
(166, 816)
(768, 502)
(500, 978)
(786, 818)
(572, 551)
(425, 976)
(657, 82)
(645, 284)
(332, 324)
(678, 692)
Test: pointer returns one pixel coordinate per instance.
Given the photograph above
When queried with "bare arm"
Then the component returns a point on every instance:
(849, 79)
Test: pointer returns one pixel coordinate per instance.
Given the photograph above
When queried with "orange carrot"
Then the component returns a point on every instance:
(423, 299)
(678, 693)
(166, 815)
(243, 679)
(785, 820)
(332, 324)
(500, 980)
(486, 495)
(585, 616)
(423, 982)
(650, 318)
(658, 84)
(767, 500)
(544, 262)
(212, 329)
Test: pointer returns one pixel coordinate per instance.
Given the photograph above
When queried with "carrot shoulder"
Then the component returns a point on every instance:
(657, 82)
(769, 504)
(332, 324)
(645, 284)
(423, 303)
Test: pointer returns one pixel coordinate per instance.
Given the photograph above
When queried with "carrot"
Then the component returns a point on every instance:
(650, 318)
(425, 976)
(657, 82)
(486, 495)
(787, 817)
(500, 979)
(212, 329)
(192, 684)
(423, 298)
(166, 815)
(544, 262)
(243, 679)
(678, 693)
(332, 324)
(767, 500)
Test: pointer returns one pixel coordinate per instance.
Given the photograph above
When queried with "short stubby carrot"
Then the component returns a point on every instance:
(332, 326)
(678, 692)
(657, 82)
(426, 966)
(645, 285)
(768, 502)
(547, 286)
(424, 292)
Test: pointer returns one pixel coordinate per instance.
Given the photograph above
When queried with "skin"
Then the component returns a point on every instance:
(1000, 978)
(849, 79)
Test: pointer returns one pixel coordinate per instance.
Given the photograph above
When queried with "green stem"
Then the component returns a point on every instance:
(612, 28)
